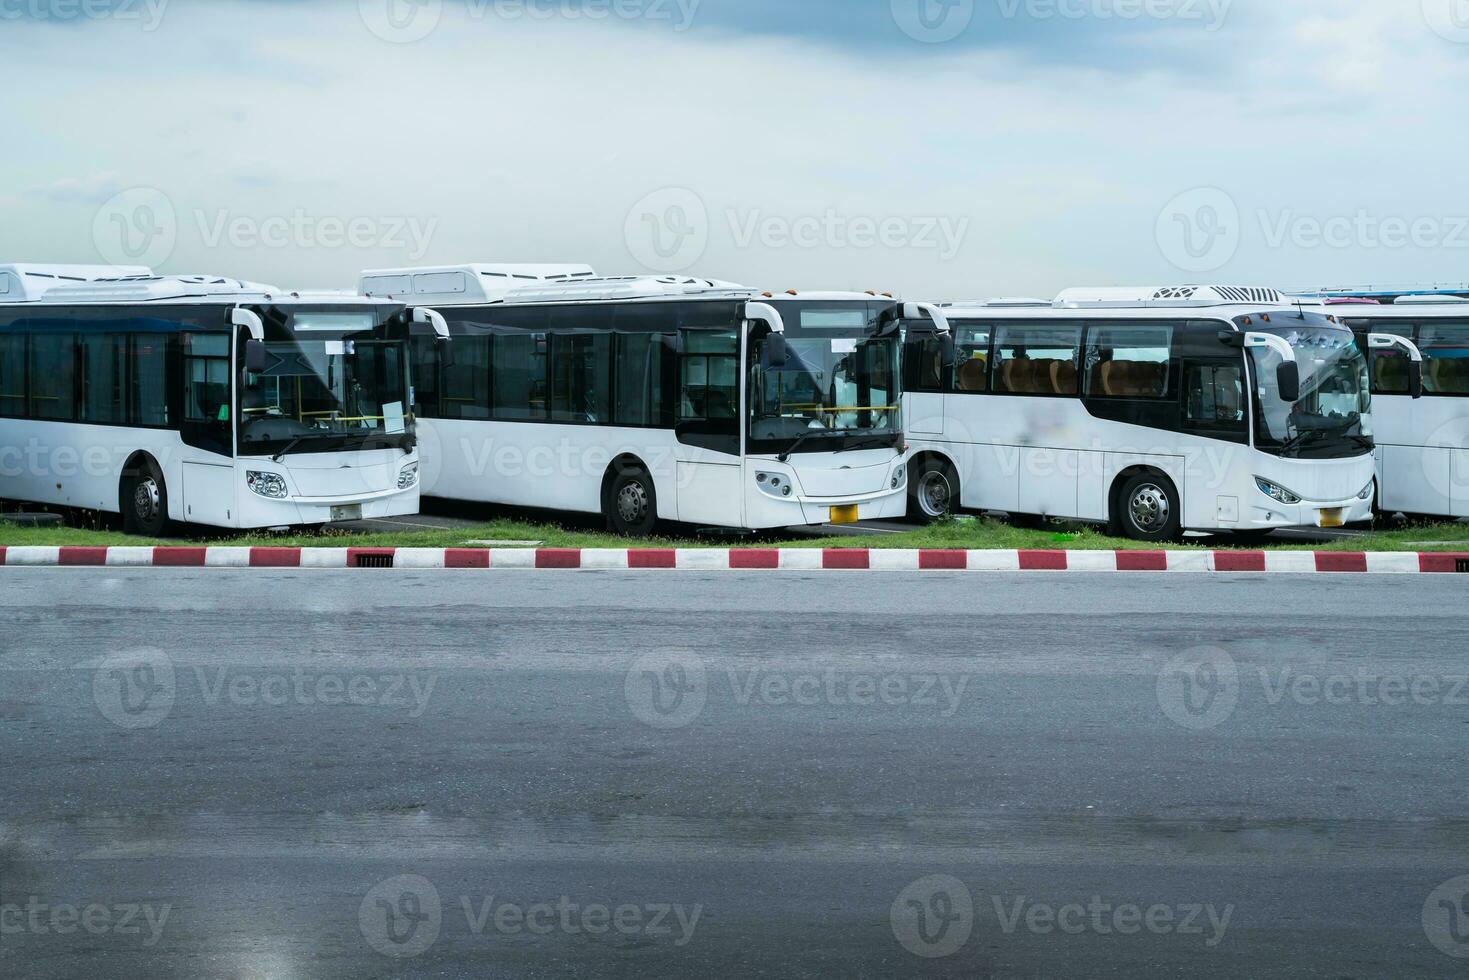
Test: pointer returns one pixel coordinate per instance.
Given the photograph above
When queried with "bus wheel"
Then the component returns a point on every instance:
(632, 504)
(934, 493)
(145, 501)
(1149, 509)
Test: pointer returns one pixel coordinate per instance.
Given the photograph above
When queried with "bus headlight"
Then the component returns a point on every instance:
(900, 476)
(1367, 491)
(408, 477)
(271, 485)
(1276, 492)
(774, 484)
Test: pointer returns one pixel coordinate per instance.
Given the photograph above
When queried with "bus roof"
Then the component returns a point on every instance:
(112, 285)
(1129, 302)
(20, 282)
(1438, 310)
(473, 285)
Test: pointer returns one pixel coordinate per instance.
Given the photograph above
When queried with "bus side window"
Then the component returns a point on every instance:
(52, 373)
(1390, 368)
(1445, 358)
(1128, 361)
(464, 386)
(425, 354)
(206, 378)
(708, 376)
(148, 381)
(972, 372)
(12, 375)
(923, 363)
(1215, 394)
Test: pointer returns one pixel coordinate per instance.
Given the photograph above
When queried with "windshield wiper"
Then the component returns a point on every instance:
(289, 446)
(871, 442)
(785, 457)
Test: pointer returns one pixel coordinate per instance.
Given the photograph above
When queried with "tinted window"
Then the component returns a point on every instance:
(104, 378)
(206, 378)
(1215, 394)
(581, 378)
(425, 354)
(520, 385)
(466, 382)
(972, 372)
(149, 382)
(709, 376)
(13, 375)
(1128, 362)
(640, 364)
(52, 374)
(1445, 358)
(1037, 360)
(1391, 368)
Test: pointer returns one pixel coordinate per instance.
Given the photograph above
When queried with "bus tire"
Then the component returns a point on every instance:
(144, 499)
(1148, 509)
(934, 492)
(631, 507)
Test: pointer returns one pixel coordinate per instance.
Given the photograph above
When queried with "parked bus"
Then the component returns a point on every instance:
(658, 399)
(202, 400)
(1420, 392)
(1151, 411)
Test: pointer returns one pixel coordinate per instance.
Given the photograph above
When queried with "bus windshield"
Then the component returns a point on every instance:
(839, 388)
(316, 395)
(1332, 419)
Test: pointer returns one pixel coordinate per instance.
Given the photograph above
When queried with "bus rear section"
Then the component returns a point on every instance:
(203, 400)
(1151, 411)
(1418, 345)
(649, 399)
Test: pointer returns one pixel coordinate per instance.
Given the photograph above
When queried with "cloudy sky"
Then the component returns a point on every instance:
(946, 149)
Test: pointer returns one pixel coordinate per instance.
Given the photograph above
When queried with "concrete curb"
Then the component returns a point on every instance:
(748, 559)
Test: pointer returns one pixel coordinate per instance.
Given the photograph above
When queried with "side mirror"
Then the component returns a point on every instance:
(777, 351)
(446, 353)
(950, 350)
(1415, 378)
(1288, 378)
(255, 356)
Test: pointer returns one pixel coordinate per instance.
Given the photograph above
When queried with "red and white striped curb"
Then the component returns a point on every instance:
(743, 559)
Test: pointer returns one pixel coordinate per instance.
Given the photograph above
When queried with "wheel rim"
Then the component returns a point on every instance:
(934, 495)
(632, 503)
(1150, 508)
(147, 500)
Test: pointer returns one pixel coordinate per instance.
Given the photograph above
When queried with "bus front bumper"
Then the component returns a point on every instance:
(1270, 513)
(258, 511)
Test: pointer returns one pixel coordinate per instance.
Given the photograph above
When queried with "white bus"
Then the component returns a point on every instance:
(1420, 396)
(202, 400)
(652, 400)
(1152, 411)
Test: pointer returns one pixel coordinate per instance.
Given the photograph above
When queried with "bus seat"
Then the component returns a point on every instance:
(1063, 377)
(974, 375)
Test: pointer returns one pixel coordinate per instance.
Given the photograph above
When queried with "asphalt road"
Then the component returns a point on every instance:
(478, 774)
